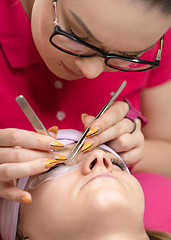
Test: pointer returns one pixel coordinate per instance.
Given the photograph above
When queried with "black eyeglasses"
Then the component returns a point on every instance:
(73, 45)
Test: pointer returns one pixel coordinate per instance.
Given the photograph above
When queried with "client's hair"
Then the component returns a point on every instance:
(158, 235)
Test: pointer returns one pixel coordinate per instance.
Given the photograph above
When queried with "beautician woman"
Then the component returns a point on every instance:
(67, 57)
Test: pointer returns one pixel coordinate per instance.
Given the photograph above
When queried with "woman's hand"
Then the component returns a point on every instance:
(24, 153)
(112, 127)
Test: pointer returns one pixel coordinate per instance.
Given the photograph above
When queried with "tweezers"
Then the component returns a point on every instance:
(79, 144)
(31, 115)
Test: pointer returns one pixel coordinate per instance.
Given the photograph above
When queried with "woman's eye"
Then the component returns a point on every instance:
(132, 56)
(70, 31)
(119, 163)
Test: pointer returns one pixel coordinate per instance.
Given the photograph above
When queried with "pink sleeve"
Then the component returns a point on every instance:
(162, 73)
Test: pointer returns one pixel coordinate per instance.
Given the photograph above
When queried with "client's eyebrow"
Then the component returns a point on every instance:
(86, 29)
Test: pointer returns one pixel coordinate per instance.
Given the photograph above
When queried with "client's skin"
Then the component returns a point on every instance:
(98, 201)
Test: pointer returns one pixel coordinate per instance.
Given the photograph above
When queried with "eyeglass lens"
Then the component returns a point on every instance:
(71, 46)
(74, 47)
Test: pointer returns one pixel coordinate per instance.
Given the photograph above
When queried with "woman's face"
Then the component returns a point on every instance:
(121, 27)
(97, 198)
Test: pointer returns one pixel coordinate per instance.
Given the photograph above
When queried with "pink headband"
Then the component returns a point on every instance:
(9, 209)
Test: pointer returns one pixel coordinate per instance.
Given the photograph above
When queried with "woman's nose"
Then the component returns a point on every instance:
(96, 161)
(90, 67)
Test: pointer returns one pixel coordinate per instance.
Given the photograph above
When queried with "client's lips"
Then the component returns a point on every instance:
(100, 175)
(69, 70)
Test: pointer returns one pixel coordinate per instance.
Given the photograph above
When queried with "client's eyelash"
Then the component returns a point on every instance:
(70, 31)
(57, 165)
(119, 163)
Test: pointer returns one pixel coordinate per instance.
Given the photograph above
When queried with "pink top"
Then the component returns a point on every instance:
(57, 101)
(156, 190)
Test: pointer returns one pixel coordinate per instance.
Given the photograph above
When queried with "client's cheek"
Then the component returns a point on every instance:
(54, 174)
(132, 187)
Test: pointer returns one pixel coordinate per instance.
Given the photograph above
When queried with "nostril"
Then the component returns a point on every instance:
(106, 164)
(92, 164)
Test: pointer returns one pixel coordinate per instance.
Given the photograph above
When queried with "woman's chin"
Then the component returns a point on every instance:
(62, 71)
(106, 201)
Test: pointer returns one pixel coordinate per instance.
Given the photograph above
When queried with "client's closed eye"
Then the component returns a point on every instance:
(57, 165)
(119, 163)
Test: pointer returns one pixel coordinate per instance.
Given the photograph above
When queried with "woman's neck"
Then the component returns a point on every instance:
(27, 5)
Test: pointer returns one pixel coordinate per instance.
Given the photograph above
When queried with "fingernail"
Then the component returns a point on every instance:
(26, 200)
(56, 145)
(60, 158)
(50, 163)
(83, 116)
(87, 146)
(53, 129)
(93, 132)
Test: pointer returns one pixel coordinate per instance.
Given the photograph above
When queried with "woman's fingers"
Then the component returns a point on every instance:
(128, 141)
(118, 137)
(132, 157)
(10, 171)
(11, 155)
(130, 146)
(112, 116)
(115, 131)
(53, 131)
(9, 191)
(26, 139)
(24, 153)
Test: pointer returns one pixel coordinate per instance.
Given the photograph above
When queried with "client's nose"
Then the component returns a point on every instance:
(96, 160)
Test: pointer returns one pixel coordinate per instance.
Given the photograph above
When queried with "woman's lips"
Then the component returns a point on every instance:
(70, 71)
(100, 175)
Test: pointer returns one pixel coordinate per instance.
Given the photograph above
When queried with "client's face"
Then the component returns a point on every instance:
(96, 197)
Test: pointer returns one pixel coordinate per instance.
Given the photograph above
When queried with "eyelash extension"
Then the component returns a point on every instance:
(119, 163)
(57, 165)
(69, 31)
